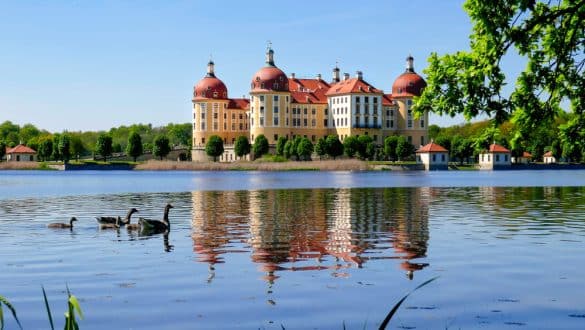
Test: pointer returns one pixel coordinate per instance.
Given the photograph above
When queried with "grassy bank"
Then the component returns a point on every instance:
(317, 165)
(23, 166)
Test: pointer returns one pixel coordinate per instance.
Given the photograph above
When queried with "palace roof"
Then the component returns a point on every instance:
(243, 104)
(308, 90)
(352, 85)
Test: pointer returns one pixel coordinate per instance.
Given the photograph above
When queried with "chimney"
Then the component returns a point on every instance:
(359, 75)
(318, 76)
(345, 76)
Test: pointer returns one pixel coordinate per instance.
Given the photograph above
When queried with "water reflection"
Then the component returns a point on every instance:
(310, 230)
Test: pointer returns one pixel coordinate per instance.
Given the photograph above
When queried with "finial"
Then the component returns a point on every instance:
(410, 63)
(269, 54)
(210, 68)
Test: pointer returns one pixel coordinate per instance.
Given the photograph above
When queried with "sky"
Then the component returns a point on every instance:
(93, 65)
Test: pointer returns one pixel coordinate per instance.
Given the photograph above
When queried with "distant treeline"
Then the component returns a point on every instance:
(84, 144)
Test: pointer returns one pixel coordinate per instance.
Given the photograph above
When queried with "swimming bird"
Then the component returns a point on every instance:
(62, 225)
(114, 220)
(156, 226)
(111, 225)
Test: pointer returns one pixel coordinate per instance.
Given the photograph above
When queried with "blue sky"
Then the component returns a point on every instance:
(93, 65)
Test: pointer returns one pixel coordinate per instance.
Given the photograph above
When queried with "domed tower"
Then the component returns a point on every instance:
(405, 88)
(269, 102)
(210, 102)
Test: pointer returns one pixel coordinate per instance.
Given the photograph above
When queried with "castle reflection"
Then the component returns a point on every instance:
(308, 230)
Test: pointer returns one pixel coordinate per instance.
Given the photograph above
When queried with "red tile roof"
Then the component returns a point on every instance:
(387, 100)
(352, 85)
(496, 148)
(308, 90)
(548, 154)
(20, 149)
(243, 104)
(526, 155)
(431, 147)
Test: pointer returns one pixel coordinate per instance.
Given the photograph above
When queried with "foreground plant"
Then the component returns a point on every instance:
(5, 302)
(397, 305)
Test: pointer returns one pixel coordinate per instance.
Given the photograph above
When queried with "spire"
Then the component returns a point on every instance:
(210, 69)
(409, 63)
(269, 54)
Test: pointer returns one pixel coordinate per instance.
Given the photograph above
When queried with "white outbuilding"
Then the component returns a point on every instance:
(495, 157)
(433, 157)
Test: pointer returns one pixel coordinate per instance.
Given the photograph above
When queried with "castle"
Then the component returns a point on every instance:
(281, 106)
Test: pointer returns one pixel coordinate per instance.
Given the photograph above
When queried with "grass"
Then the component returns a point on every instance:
(258, 165)
(22, 166)
(73, 309)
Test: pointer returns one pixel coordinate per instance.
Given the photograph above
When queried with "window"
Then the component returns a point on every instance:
(240, 116)
(391, 113)
(224, 115)
(262, 110)
(357, 99)
(313, 138)
(442, 157)
(326, 111)
(422, 123)
(287, 108)
(505, 158)
(252, 122)
(488, 157)
(275, 121)
(376, 138)
(409, 102)
(287, 99)
(262, 97)
(215, 126)
(357, 120)
(391, 123)
(275, 109)
(325, 122)
(409, 123)
(215, 115)
(233, 116)
(261, 121)
(305, 122)
(287, 121)
(387, 123)
(375, 100)
(366, 99)
(409, 139)
(275, 137)
(313, 111)
(497, 158)
(202, 126)
(225, 126)
(233, 126)
(313, 122)
(434, 157)
(202, 114)
(241, 126)
(357, 108)
(305, 111)
(202, 140)
(275, 98)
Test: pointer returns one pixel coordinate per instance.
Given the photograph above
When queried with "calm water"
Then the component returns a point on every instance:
(301, 249)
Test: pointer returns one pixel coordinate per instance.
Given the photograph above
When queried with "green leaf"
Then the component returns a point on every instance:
(397, 305)
(12, 310)
(73, 301)
(48, 309)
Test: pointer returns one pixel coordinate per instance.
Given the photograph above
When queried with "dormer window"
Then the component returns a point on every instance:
(280, 78)
(275, 86)
(257, 78)
(215, 94)
(399, 90)
(262, 85)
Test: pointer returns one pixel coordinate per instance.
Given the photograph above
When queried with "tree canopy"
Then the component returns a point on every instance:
(134, 147)
(549, 36)
(214, 147)
(103, 146)
(260, 146)
(242, 146)
(161, 147)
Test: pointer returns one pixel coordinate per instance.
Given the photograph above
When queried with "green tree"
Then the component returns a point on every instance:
(280, 145)
(214, 147)
(434, 131)
(117, 147)
(161, 147)
(549, 36)
(242, 146)
(103, 146)
(295, 147)
(334, 146)
(443, 141)
(2, 149)
(77, 147)
(260, 146)
(56, 155)
(45, 149)
(134, 147)
(9, 132)
(321, 147)
(390, 144)
(28, 132)
(556, 149)
(65, 147)
(288, 146)
(180, 134)
(351, 146)
(461, 148)
(305, 149)
(366, 147)
(404, 148)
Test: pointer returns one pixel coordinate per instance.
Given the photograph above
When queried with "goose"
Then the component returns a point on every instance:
(62, 225)
(157, 226)
(111, 225)
(114, 220)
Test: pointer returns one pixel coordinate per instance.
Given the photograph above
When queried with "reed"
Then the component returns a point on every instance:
(5, 302)
(20, 166)
(259, 165)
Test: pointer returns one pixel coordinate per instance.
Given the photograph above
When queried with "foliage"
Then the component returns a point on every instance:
(2, 149)
(390, 144)
(214, 147)
(5, 302)
(549, 36)
(161, 146)
(65, 147)
(280, 145)
(103, 146)
(321, 147)
(404, 148)
(56, 155)
(260, 146)
(73, 307)
(334, 146)
(366, 147)
(295, 147)
(461, 148)
(288, 146)
(76, 147)
(134, 147)
(242, 146)
(397, 305)
(443, 141)
(305, 149)
(350, 146)
(45, 149)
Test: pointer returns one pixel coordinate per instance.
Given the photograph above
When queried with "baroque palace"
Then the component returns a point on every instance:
(281, 106)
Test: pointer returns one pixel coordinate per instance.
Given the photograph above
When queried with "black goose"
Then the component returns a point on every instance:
(156, 226)
(111, 225)
(114, 220)
(62, 225)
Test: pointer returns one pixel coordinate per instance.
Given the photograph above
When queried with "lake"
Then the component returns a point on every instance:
(298, 249)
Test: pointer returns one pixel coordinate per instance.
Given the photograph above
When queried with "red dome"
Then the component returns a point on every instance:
(269, 78)
(210, 88)
(408, 84)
